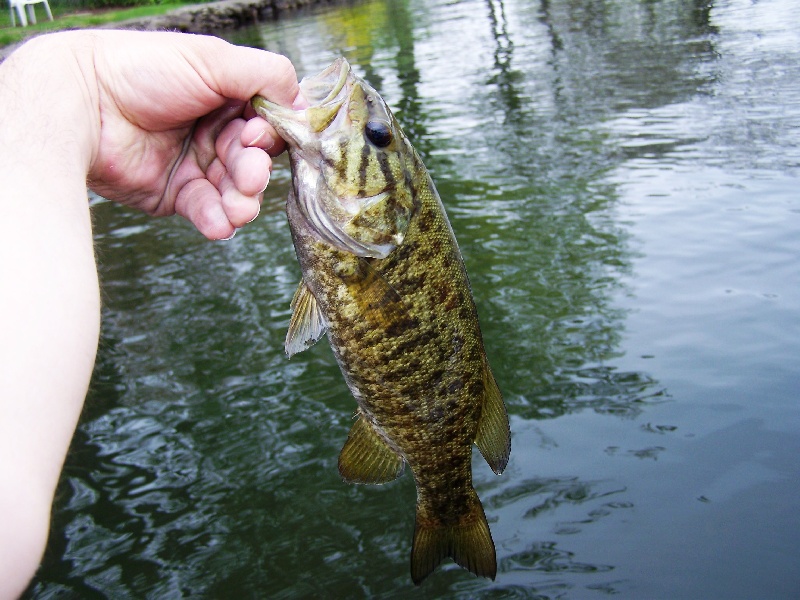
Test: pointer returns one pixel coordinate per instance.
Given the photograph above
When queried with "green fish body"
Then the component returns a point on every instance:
(383, 276)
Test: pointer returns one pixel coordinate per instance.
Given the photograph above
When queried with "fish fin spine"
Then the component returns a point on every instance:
(469, 543)
(493, 437)
(307, 323)
(366, 457)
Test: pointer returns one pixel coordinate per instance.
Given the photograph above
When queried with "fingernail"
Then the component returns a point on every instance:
(258, 137)
(263, 189)
(230, 237)
(256, 215)
(300, 102)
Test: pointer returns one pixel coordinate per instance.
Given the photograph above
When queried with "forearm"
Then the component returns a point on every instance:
(116, 107)
(48, 289)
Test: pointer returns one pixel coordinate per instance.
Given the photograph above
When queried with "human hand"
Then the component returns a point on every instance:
(177, 134)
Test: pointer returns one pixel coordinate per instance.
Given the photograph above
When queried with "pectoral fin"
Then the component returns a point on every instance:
(378, 302)
(307, 324)
(365, 457)
(494, 435)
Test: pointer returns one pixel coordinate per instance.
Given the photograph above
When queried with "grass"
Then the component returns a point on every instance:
(66, 18)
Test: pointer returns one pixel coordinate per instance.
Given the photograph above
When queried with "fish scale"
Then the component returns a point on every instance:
(383, 277)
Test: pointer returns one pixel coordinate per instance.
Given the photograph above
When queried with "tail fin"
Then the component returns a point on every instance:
(468, 542)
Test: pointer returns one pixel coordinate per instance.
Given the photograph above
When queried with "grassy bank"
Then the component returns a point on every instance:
(70, 18)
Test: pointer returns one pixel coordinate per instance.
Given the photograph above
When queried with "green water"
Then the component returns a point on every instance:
(623, 181)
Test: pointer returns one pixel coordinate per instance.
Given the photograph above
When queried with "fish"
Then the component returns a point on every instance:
(383, 277)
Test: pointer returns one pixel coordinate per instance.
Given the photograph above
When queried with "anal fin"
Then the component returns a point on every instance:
(494, 435)
(307, 323)
(366, 458)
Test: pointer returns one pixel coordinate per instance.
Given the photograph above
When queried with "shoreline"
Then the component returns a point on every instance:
(205, 18)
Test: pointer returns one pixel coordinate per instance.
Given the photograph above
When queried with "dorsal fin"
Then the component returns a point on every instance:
(494, 435)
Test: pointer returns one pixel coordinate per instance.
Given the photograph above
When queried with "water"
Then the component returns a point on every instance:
(622, 178)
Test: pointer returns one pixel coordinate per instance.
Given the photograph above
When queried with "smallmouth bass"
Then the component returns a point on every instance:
(383, 276)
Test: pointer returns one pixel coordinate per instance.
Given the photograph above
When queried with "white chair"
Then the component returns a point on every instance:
(23, 6)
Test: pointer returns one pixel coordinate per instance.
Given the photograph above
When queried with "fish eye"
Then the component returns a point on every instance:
(378, 133)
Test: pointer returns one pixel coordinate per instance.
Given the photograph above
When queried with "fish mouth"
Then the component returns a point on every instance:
(324, 88)
(325, 93)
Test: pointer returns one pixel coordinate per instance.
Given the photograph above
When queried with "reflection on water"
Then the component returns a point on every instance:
(621, 177)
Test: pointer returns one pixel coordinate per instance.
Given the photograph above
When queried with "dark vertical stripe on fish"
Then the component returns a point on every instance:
(362, 168)
(386, 169)
(341, 162)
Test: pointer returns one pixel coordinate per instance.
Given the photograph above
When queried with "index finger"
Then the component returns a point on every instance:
(260, 134)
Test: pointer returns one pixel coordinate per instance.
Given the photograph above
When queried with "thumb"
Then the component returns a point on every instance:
(239, 72)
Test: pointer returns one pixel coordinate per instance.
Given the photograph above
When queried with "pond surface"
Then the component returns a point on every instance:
(623, 180)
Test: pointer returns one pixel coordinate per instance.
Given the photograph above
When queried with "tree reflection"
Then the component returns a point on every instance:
(504, 76)
(545, 241)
